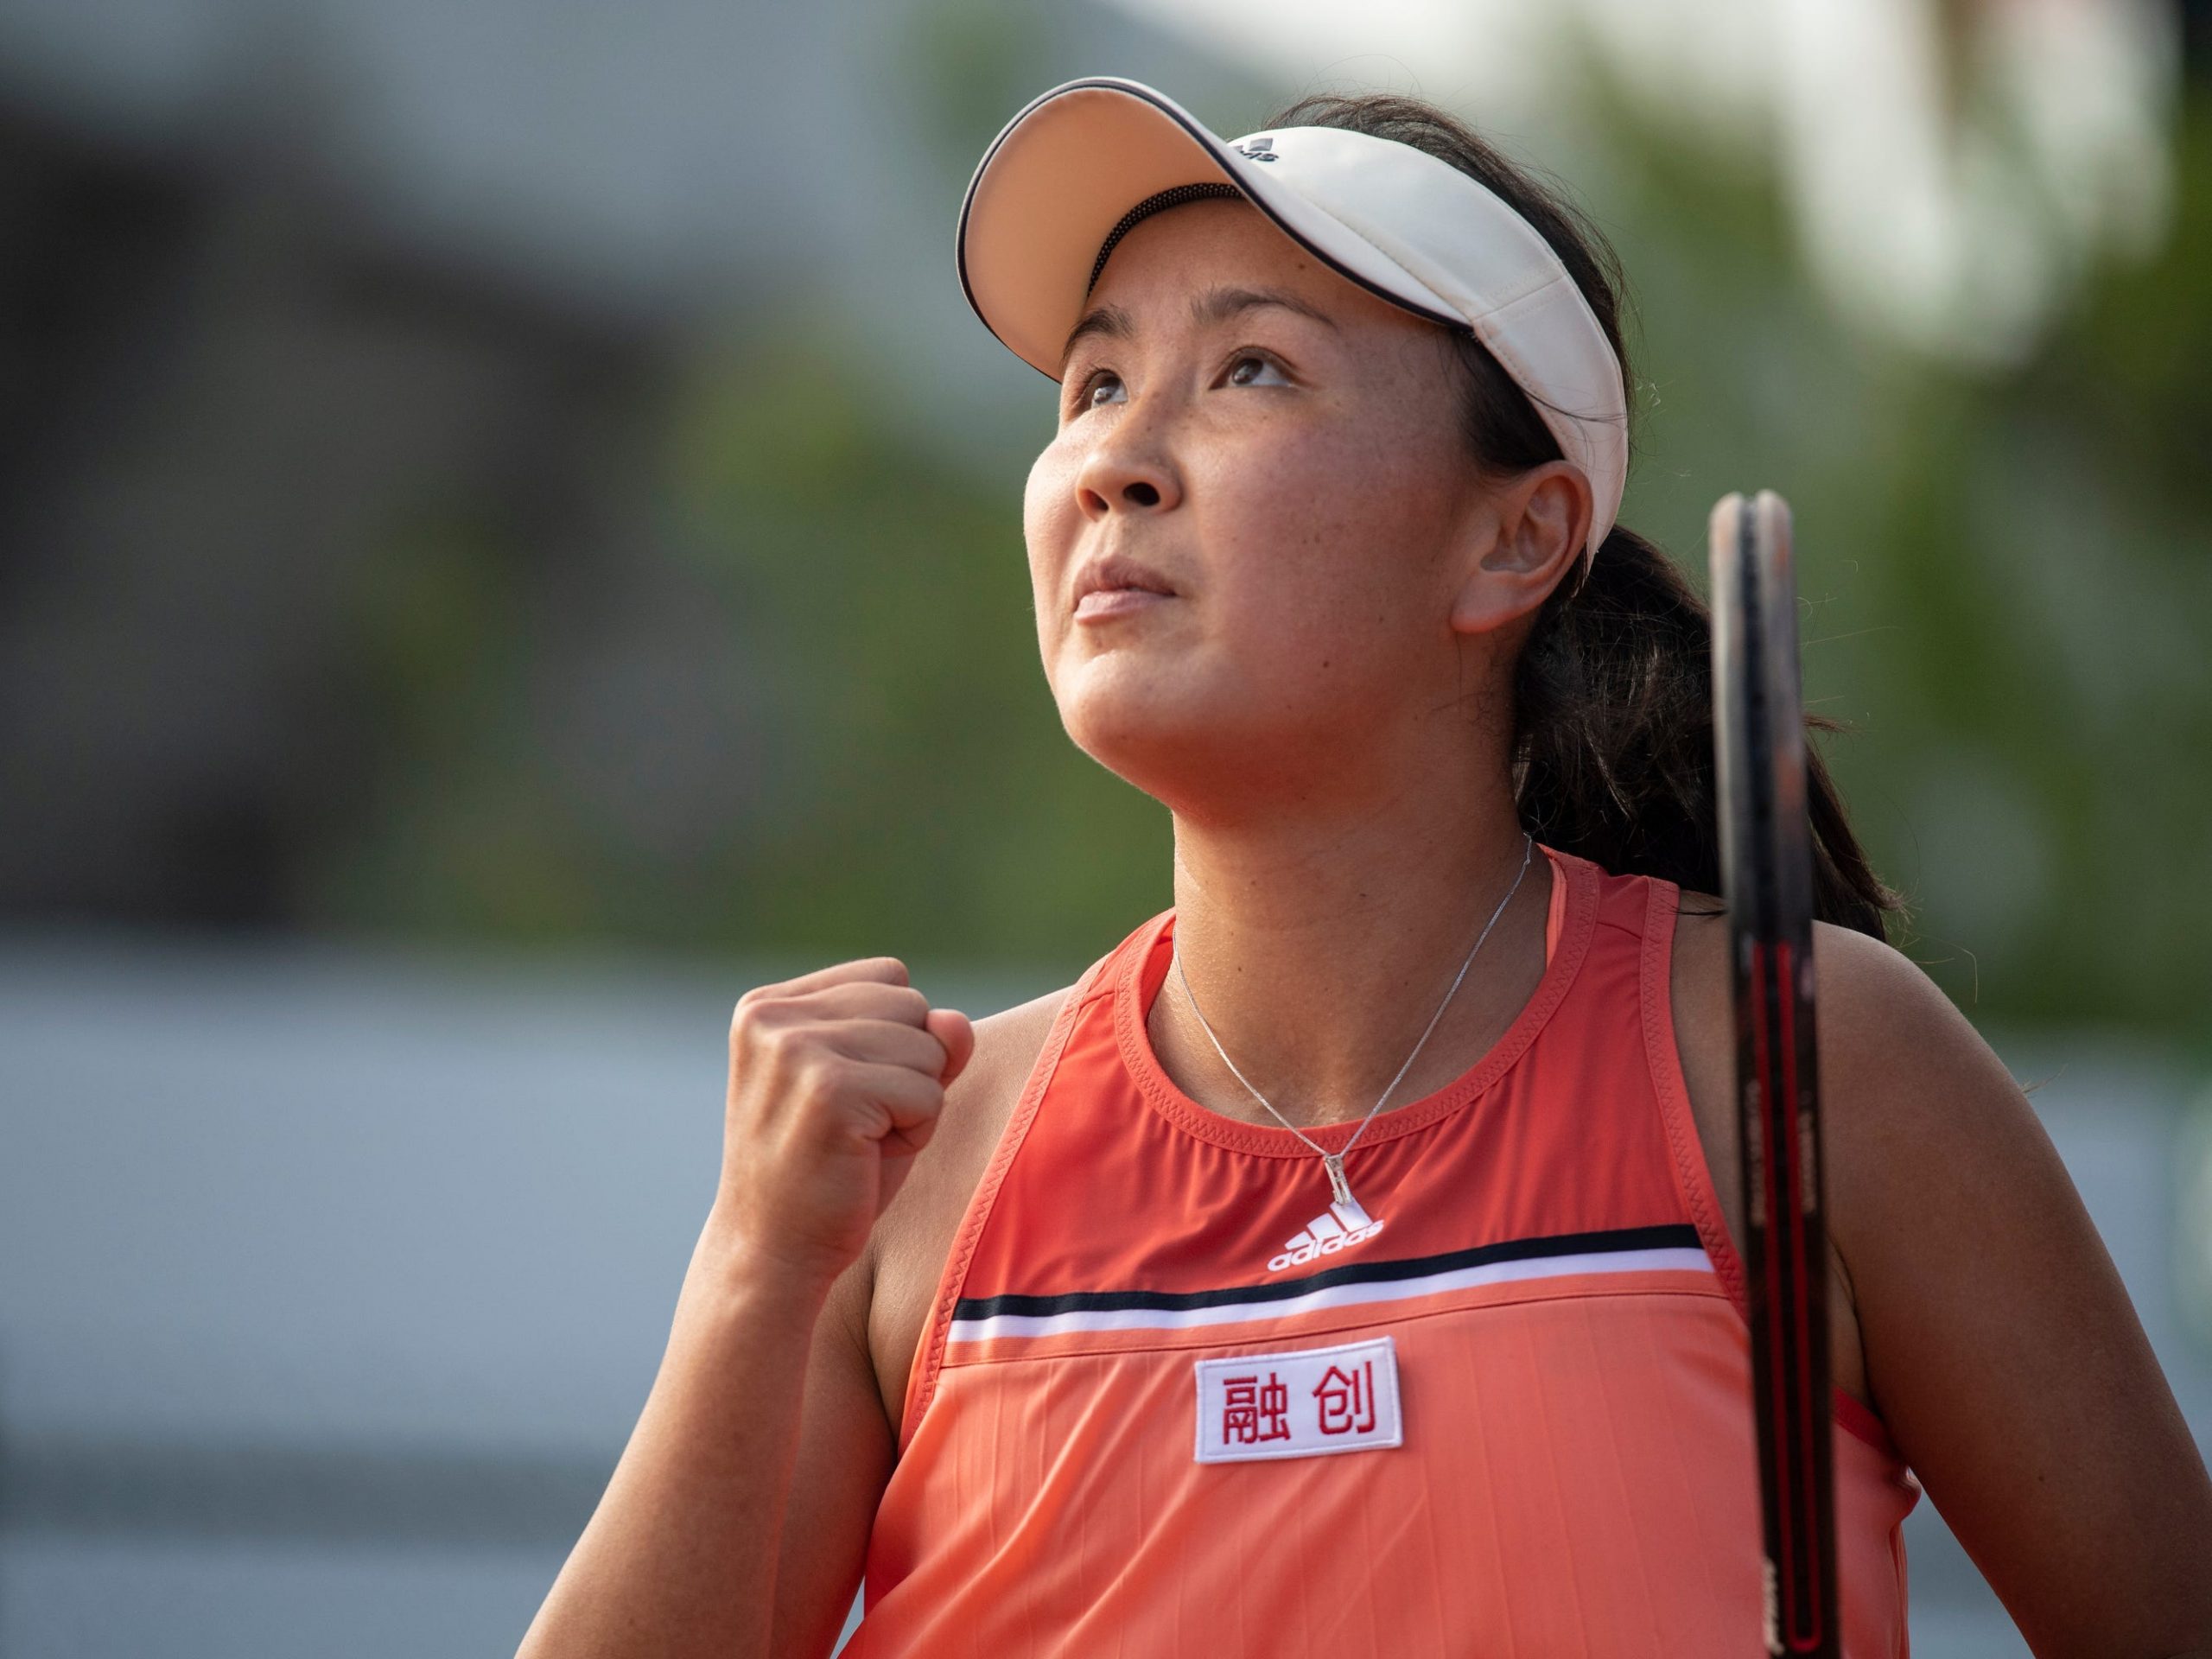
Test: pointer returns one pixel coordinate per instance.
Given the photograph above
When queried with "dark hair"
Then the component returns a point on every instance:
(1612, 695)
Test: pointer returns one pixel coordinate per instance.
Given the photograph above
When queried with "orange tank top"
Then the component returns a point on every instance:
(1171, 1400)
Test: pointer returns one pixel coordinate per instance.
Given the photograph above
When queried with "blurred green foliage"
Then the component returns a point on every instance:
(2006, 581)
(937, 807)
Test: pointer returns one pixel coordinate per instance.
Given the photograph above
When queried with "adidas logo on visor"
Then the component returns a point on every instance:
(1338, 1228)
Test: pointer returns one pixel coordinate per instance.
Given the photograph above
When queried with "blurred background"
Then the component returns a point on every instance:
(510, 536)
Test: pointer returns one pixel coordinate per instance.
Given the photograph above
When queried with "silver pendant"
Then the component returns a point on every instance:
(1347, 1208)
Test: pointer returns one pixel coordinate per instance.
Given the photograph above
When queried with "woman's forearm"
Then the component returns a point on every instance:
(680, 1556)
(836, 1079)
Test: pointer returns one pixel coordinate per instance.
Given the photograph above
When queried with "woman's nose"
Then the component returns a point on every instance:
(1125, 471)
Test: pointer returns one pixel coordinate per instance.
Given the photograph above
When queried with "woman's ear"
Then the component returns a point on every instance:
(1541, 519)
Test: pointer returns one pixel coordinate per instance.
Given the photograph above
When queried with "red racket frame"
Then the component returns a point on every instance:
(1766, 860)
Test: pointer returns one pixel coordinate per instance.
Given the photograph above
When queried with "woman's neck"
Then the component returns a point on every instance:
(1319, 953)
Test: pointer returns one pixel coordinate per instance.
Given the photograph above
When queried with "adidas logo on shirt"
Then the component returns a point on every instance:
(1338, 1228)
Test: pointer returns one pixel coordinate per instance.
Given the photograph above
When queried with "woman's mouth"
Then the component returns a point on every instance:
(1103, 604)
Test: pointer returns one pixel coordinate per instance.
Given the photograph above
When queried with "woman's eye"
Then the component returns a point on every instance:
(1088, 398)
(1236, 376)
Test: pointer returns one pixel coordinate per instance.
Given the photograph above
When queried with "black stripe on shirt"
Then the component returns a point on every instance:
(1673, 1235)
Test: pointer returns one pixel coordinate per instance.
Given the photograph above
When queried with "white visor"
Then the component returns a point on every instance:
(1056, 185)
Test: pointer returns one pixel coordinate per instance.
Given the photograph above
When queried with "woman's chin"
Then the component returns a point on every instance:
(1116, 718)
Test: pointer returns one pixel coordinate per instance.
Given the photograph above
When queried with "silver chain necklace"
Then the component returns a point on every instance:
(1333, 1162)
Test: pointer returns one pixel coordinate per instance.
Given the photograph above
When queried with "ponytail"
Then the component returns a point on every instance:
(1613, 755)
(1612, 742)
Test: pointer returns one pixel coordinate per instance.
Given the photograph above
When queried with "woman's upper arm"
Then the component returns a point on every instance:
(2000, 1345)
(845, 1452)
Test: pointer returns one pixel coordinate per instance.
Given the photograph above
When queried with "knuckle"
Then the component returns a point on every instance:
(753, 1008)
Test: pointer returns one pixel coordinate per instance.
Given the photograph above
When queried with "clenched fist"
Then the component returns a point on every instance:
(835, 1081)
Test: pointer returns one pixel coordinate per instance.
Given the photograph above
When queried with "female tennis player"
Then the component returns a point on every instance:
(1346, 1263)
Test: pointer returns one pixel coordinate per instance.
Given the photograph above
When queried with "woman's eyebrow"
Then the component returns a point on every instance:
(1215, 305)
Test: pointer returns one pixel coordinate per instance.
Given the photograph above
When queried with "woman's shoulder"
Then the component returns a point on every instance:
(1007, 1044)
(1878, 1015)
(1890, 1043)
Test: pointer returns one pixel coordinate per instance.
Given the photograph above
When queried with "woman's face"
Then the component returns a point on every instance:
(1293, 474)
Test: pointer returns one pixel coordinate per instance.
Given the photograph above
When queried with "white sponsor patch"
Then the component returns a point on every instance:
(1305, 1403)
